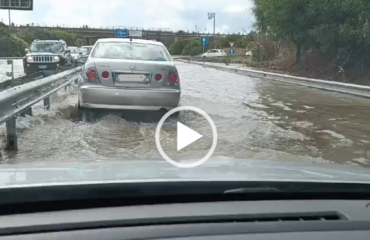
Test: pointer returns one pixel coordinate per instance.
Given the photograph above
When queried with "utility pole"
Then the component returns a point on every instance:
(214, 23)
(210, 16)
(9, 21)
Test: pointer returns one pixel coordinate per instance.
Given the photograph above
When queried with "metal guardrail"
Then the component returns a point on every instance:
(21, 80)
(13, 82)
(346, 88)
(20, 99)
(13, 58)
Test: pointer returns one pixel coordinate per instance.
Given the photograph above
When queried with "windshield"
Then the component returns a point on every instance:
(136, 51)
(74, 50)
(86, 50)
(53, 47)
(168, 90)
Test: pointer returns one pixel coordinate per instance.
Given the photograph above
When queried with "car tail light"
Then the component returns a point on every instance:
(158, 77)
(105, 74)
(173, 78)
(92, 75)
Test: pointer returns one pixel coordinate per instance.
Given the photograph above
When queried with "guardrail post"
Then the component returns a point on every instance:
(10, 74)
(47, 103)
(28, 112)
(11, 135)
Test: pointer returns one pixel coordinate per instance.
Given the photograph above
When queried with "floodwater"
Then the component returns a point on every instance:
(255, 119)
(17, 69)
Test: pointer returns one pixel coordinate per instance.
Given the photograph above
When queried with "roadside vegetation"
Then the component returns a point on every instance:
(319, 39)
(322, 39)
(13, 44)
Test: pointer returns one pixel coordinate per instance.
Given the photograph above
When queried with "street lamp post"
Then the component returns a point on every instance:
(10, 22)
(210, 16)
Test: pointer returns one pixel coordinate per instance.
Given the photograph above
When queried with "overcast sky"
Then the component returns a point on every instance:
(231, 15)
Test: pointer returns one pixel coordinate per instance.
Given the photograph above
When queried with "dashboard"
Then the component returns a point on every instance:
(232, 220)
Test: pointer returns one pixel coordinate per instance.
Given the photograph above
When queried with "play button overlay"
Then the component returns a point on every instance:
(186, 136)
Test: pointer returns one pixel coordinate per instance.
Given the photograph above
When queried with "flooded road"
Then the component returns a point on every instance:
(255, 119)
(17, 68)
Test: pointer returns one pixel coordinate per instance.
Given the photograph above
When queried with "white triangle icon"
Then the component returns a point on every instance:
(185, 136)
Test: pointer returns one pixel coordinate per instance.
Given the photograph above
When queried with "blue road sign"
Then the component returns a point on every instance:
(204, 41)
(122, 32)
(232, 51)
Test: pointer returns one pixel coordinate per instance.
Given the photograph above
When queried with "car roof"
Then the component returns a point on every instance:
(128, 40)
(37, 40)
(86, 46)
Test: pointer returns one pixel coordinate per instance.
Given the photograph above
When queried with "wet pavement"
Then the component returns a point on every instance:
(17, 69)
(255, 118)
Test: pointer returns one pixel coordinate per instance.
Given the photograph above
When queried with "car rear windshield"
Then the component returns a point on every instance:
(86, 49)
(74, 50)
(128, 50)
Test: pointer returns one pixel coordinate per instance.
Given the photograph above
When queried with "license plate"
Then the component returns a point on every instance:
(131, 78)
(43, 66)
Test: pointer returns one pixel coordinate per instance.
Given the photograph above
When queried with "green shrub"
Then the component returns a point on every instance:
(193, 48)
(12, 46)
(263, 48)
(240, 41)
(177, 47)
(31, 34)
(66, 36)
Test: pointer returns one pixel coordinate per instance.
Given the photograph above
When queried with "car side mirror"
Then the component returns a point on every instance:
(26, 50)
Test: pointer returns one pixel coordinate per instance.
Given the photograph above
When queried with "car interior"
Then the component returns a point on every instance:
(182, 211)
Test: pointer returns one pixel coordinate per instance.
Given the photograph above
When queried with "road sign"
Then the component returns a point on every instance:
(136, 33)
(231, 44)
(122, 33)
(16, 5)
(204, 41)
(232, 51)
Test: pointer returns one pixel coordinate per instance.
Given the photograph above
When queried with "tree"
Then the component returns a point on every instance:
(338, 28)
(10, 46)
(57, 34)
(177, 47)
(342, 28)
(192, 48)
(285, 20)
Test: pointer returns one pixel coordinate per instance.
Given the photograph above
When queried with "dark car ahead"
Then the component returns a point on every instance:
(46, 55)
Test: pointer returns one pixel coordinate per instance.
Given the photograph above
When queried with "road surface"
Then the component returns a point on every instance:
(255, 119)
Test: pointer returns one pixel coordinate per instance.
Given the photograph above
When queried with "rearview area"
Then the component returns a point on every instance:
(133, 51)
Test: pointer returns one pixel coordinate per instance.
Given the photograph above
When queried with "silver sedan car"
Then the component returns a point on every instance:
(128, 74)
